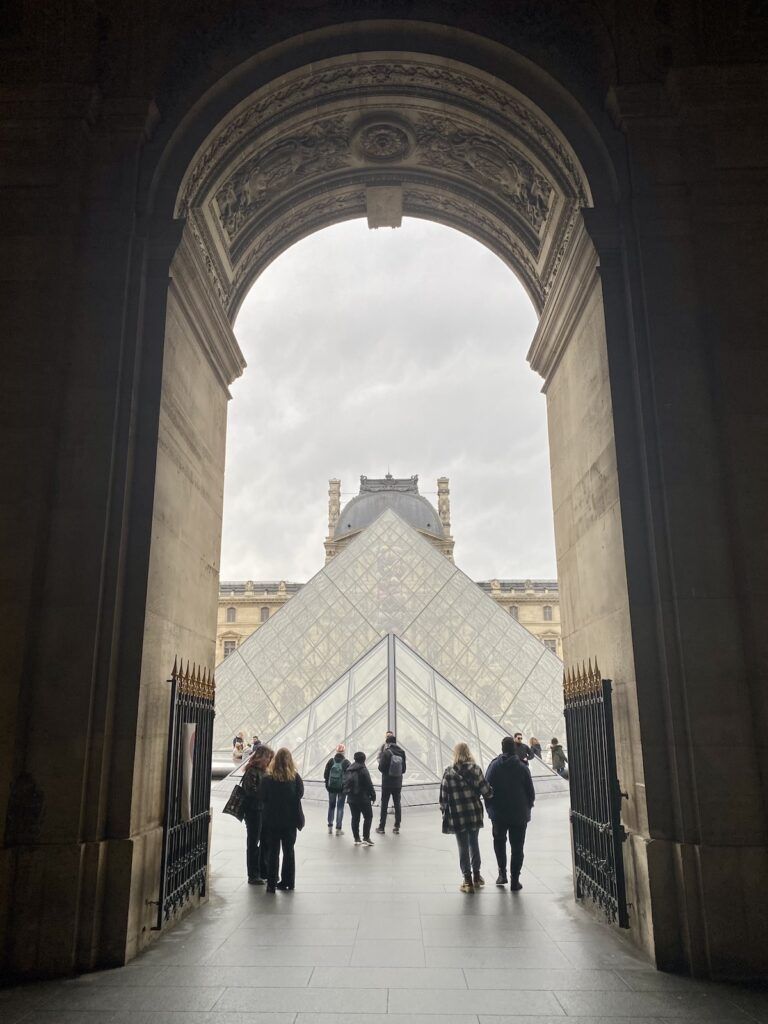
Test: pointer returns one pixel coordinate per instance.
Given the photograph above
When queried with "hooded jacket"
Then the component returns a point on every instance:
(461, 791)
(559, 760)
(513, 792)
(394, 782)
(358, 785)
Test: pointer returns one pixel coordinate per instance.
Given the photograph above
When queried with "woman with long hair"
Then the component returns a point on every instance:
(535, 746)
(461, 800)
(281, 793)
(253, 776)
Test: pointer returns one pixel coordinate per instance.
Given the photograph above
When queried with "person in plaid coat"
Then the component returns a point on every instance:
(461, 791)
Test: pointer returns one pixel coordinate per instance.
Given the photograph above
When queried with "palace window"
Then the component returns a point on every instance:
(264, 614)
(513, 611)
(231, 614)
(229, 646)
(551, 643)
(547, 613)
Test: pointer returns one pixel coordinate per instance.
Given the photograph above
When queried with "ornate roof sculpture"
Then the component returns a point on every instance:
(389, 580)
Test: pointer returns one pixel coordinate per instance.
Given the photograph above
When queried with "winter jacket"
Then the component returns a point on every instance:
(535, 748)
(461, 790)
(358, 785)
(251, 783)
(335, 759)
(513, 792)
(559, 760)
(391, 781)
(523, 752)
(281, 802)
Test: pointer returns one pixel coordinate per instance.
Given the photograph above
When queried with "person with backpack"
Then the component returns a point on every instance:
(510, 809)
(282, 816)
(462, 791)
(360, 796)
(334, 783)
(392, 768)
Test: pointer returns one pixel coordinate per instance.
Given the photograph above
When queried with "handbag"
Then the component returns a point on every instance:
(236, 803)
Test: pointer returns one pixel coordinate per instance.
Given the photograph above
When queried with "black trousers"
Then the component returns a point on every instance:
(256, 859)
(367, 813)
(516, 835)
(284, 839)
(386, 792)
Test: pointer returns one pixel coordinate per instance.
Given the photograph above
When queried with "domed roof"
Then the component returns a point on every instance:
(376, 496)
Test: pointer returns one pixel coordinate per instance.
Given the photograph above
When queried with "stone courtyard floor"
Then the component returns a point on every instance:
(383, 934)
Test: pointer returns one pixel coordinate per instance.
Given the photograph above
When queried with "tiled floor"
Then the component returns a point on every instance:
(383, 934)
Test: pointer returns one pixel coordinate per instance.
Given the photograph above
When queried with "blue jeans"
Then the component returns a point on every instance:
(337, 801)
(469, 852)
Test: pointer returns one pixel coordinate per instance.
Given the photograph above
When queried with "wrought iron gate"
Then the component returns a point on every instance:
(184, 865)
(595, 792)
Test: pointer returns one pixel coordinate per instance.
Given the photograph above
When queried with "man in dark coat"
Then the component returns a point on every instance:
(392, 768)
(523, 751)
(510, 809)
(360, 797)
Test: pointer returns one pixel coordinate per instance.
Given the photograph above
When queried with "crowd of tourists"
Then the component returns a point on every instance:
(272, 791)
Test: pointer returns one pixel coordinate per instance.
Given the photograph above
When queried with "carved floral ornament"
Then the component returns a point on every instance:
(438, 143)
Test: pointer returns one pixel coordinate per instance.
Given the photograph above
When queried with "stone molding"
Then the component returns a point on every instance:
(303, 153)
(207, 321)
(565, 304)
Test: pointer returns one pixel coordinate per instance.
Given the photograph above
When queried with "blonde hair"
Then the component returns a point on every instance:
(282, 768)
(462, 754)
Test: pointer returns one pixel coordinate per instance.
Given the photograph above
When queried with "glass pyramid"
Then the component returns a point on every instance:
(389, 580)
(391, 687)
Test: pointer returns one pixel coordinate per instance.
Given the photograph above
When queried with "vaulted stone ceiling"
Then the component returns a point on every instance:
(382, 136)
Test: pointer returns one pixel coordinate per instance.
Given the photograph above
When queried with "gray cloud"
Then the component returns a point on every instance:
(370, 350)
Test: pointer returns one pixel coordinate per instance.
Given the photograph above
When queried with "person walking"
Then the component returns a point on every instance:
(360, 796)
(256, 858)
(510, 809)
(535, 746)
(559, 760)
(282, 815)
(334, 784)
(461, 791)
(522, 750)
(392, 768)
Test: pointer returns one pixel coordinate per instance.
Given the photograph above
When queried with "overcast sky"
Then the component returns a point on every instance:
(385, 350)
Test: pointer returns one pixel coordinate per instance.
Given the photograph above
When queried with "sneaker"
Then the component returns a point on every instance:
(515, 886)
(368, 842)
(330, 830)
(466, 886)
(380, 830)
(502, 879)
(358, 842)
(396, 830)
(283, 887)
(339, 831)
(478, 880)
(257, 881)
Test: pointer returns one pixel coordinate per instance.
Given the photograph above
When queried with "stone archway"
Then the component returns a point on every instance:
(117, 481)
(383, 135)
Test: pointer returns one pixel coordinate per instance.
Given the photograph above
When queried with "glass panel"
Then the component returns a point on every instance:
(371, 666)
(329, 703)
(416, 670)
(415, 701)
(362, 706)
(369, 738)
(322, 743)
(456, 706)
(419, 744)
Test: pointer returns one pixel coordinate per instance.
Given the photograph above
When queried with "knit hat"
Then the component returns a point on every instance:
(359, 757)
(340, 749)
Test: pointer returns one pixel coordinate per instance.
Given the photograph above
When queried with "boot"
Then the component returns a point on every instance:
(515, 885)
(466, 885)
(478, 880)
(502, 879)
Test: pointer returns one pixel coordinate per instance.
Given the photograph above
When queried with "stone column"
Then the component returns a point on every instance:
(334, 510)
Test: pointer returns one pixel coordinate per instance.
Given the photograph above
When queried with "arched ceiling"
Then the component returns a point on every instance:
(382, 136)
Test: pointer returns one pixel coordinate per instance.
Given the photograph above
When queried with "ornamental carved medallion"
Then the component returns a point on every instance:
(382, 141)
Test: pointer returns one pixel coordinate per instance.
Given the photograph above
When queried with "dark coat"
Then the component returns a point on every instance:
(336, 758)
(523, 751)
(513, 792)
(281, 803)
(461, 790)
(393, 782)
(559, 760)
(536, 749)
(251, 783)
(358, 785)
